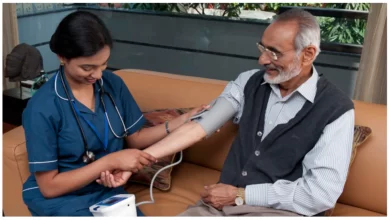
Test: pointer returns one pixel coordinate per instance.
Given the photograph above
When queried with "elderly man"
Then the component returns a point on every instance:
(292, 151)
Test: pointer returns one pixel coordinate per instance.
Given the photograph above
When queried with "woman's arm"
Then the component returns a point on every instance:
(53, 184)
(182, 138)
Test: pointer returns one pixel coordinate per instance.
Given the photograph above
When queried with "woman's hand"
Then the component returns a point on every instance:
(114, 179)
(195, 111)
(131, 160)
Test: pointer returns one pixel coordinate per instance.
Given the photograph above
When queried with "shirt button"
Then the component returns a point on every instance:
(257, 153)
(244, 173)
(259, 133)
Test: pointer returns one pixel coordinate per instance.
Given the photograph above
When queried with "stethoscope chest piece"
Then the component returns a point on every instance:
(88, 157)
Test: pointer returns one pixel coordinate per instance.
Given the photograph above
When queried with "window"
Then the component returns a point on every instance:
(333, 29)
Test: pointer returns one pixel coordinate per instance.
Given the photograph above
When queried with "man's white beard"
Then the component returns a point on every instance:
(293, 71)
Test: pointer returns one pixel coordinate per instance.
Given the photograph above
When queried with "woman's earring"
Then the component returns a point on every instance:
(61, 63)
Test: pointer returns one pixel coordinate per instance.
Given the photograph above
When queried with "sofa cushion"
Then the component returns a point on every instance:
(187, 184)
(145, 176)
(361, 134)
(347, 210)
(15, 172)
(186, 191)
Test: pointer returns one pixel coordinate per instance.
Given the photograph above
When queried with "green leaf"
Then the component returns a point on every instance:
(350, 38)
(334, 29)
(348, 32)
(355, 29)
(341, 38)
(361, 33)
(333, 38)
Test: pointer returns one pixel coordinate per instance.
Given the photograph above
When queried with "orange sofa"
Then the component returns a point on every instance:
(364, 193)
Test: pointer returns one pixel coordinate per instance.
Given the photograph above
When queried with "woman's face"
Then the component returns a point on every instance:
(86, 70)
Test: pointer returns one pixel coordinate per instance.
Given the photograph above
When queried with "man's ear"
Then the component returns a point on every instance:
(309, 55)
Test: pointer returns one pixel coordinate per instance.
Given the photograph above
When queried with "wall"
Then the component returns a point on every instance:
(36, 30)
(187, 45)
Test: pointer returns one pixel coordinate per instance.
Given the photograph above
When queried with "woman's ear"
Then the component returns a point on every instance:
(61, 59)
(309, 55)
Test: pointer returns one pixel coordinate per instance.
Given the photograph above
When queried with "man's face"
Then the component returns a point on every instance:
(279, 56)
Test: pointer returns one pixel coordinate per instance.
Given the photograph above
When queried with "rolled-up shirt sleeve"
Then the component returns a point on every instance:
(234, 93)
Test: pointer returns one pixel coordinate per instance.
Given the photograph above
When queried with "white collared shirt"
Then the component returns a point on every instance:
(281, 109)
(325, 167)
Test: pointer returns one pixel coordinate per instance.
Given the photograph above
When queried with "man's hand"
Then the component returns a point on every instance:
(219, 195)
(114, 179)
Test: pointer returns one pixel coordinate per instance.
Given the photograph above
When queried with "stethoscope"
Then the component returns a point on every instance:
(89, 156)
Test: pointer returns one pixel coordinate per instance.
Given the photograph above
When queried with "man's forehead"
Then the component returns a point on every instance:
(279, 33)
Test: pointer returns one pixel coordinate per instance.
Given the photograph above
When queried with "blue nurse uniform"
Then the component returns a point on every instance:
(54, 141)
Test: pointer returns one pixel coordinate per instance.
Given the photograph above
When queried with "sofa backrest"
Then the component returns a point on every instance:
(154, 90)
(366, 184)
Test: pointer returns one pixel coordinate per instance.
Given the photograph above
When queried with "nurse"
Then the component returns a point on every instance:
(76, 123)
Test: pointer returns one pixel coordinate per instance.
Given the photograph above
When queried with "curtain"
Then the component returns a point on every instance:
(371, 83)
(10, 37)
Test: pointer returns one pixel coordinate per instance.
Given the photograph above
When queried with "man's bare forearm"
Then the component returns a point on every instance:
(149, 136)
(182, 138)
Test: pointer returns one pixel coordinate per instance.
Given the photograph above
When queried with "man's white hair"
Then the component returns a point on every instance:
(309, 29)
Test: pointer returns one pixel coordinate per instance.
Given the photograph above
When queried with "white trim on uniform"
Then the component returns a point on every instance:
(135, 123)
(30, 188)
(55, 87)
(40, 162)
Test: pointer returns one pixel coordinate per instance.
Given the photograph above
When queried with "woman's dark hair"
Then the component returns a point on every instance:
(80, 34)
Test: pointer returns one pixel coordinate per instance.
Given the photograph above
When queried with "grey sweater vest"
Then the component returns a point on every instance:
(282, 151)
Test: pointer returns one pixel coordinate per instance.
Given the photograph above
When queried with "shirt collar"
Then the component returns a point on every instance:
(60, 91)
(308, 89)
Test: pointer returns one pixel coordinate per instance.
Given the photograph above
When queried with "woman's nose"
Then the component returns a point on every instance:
(97, 74)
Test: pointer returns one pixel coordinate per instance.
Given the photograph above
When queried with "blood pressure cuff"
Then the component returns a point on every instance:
(234, 93)
(221, 110)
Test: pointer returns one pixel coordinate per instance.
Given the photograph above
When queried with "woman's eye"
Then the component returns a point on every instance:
(87, 68)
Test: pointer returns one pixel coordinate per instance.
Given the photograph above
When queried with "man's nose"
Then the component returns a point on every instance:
(264, 59)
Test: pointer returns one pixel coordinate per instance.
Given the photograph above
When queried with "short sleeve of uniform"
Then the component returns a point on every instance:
(133, 117)
(41, 140)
